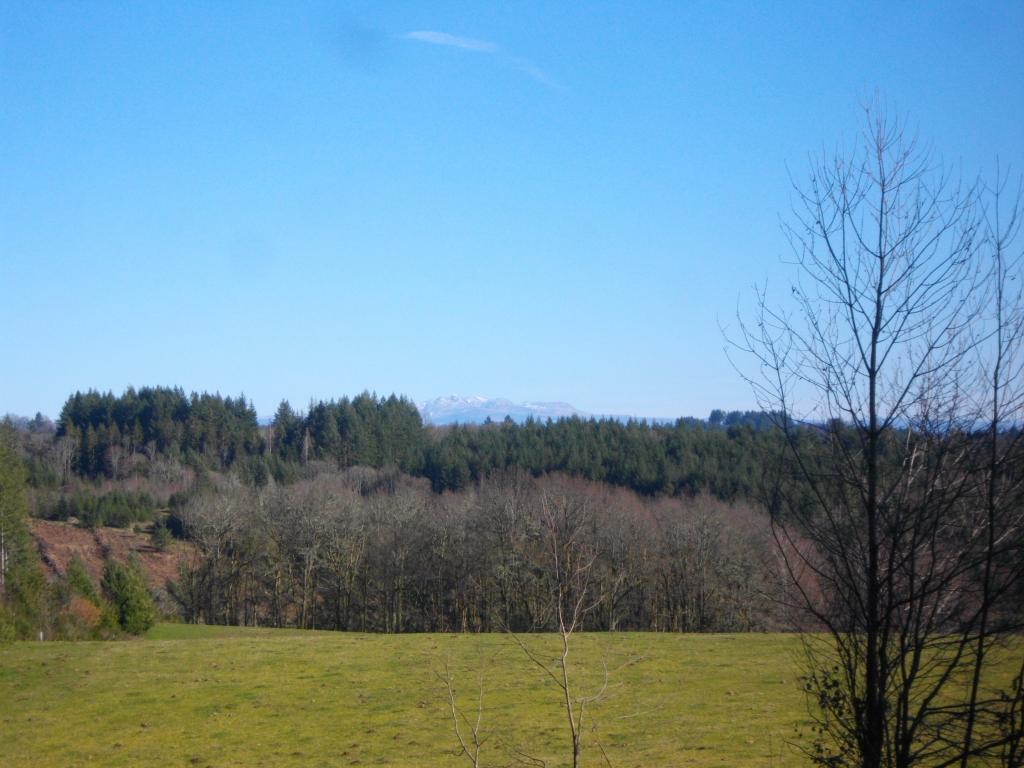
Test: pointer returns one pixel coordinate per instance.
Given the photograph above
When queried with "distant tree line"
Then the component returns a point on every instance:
(352, 517)
(355, 515)
(687, 457)
(106, 436)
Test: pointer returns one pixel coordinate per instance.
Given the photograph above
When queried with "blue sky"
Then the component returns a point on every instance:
(536, 201)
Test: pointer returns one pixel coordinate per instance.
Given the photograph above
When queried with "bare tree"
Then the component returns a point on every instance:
(505, 500)
(999, 519)
(344, 552)
(879, 501)
(564, 532)
(461, 723)
(565, 518)
(64, 449)
(218, 522)
(311, 508)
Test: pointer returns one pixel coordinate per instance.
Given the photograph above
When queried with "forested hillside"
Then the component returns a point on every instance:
(355, 515)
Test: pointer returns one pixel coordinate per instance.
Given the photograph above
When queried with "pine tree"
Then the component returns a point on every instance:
(125, 587)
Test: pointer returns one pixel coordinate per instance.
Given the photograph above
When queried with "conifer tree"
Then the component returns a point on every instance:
(125, 587)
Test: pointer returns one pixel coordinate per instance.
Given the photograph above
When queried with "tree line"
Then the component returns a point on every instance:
(103, 436)
(372, 550)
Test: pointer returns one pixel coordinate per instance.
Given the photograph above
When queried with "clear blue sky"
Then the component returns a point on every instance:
(536, 201)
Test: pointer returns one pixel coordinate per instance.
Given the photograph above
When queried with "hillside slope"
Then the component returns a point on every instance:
(60, 542)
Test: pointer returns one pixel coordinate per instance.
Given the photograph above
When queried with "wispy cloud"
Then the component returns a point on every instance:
(538, 74)
(482, 46)
(443, 38)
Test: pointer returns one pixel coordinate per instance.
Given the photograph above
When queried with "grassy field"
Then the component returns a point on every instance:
(217, 696)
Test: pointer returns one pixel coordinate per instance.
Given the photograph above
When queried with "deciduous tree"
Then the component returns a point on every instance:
(894, 505)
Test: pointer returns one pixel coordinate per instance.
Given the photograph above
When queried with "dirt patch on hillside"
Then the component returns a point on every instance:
(59, 543)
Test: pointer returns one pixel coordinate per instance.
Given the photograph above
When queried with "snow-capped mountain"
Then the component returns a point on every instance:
(452, 409)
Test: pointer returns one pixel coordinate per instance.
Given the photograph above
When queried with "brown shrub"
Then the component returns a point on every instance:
(83, 612)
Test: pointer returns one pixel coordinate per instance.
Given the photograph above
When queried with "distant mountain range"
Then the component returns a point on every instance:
(454, 409)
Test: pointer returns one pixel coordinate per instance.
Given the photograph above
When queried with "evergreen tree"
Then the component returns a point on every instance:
(15, 544)
(77, 581)
(125, 587)
(24, 593)
(288, 433)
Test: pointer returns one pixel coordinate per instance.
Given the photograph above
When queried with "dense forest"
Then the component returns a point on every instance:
(106, 436)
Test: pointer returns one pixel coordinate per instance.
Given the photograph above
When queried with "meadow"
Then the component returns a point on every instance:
(219, 696)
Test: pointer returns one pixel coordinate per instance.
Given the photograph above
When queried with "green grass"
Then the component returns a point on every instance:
(224, 696)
